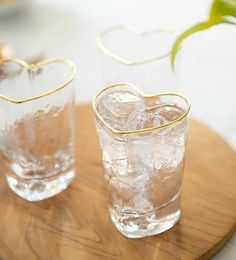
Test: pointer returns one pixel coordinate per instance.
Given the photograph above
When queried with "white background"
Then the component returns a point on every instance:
(67, 29)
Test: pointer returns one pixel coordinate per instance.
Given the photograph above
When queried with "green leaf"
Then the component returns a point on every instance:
(222, 8)
(196, 28)
(219, 13)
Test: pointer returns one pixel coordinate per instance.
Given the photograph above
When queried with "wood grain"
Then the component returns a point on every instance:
(75, 224)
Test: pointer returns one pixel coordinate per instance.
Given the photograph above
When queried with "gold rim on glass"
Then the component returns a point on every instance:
(37, 66)
(131, 29)
(145, 130)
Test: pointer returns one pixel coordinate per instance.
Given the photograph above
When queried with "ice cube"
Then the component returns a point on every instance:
(169, 112)
(141, 204)
(116, 107)
(145, 119)
(121, 193)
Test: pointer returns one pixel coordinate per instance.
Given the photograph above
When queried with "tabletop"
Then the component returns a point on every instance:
(67, 29)
(76, 224)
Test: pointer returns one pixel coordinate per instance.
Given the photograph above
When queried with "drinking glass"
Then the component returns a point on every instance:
(143, 140)
(37, 126)
(143, 58)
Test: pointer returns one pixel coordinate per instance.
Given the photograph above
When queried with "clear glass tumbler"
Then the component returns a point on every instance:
(37, 126)
(143, 140)
(140, 57)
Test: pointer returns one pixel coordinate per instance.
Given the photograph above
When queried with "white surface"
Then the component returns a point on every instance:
(67, 29)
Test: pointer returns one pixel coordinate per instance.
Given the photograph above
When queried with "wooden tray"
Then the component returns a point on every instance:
(75, 224)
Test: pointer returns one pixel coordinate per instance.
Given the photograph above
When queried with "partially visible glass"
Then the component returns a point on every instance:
(143, 140)
(37, 126)
(143, 58)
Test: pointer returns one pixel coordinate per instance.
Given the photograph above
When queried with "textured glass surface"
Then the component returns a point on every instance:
(37, 137)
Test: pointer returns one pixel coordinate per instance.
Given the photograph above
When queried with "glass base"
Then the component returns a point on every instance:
(137, 226)
(40, 189)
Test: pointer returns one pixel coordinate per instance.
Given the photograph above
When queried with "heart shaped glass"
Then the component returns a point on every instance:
(37, 126)
(140, 57)
(143, 100)
(142, 139)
